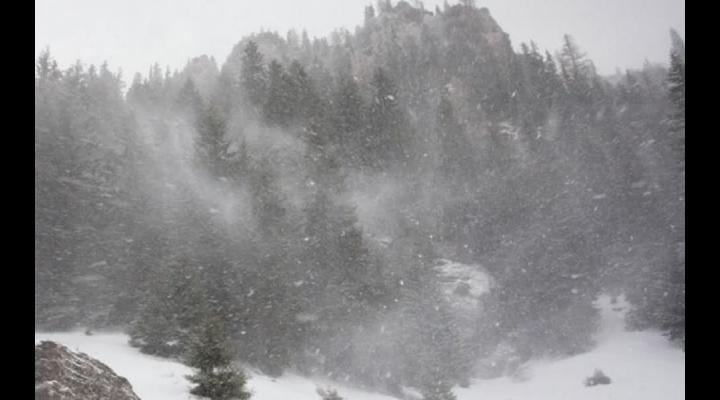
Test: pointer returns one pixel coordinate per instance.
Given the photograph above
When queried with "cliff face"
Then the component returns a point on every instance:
(61, 374)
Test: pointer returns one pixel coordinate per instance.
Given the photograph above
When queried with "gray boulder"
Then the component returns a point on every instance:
(61, 374)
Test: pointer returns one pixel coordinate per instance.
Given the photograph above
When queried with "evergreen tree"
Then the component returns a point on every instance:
(576, 71)
(307, 107)
(657, 294)
(674, 323)
(385, 142)
(369, 13)
(46, 67)
(253, 75)
(155, 330)
(551, 86)
(210, 144)
(349, 119)
(438, 390)
(215, 378)
(279, 108)
(676, 78)
(267, 199)
(238, 164)
(189, 101)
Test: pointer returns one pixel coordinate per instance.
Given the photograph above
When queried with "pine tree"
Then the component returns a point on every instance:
(438, 390)
(468, 3)
(658, 294)
(674, 316)
(307, 107)
(279, 107)
(386, 140)
(253, 76)
(551, 87)
(210, 354)
(189, 101)
(348, 119)
(238, 164)
(577, 72)
(155, 330)
(210, 144)
(676, 79)
(369, 14)
(268, 201)
(46, 67)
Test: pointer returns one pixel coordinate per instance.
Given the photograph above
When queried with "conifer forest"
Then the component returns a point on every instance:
(417, 202)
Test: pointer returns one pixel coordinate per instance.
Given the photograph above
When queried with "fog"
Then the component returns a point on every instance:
(421, 202)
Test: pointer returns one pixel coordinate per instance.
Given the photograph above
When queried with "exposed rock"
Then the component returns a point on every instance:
(463, 284)
(61, 374)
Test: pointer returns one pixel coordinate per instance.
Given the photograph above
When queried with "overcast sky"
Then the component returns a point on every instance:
(132, 34)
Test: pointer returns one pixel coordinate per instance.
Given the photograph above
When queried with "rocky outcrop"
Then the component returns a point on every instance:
(61, 374)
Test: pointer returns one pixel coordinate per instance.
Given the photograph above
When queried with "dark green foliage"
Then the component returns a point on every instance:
(386, 140)
(676, 78)
(210, 142)
(576, 72)
(281, 103)
(657, 292)
(189, 102)
(253, 75)
(437, 391)
(211, 355)
(84, 147)
(349, 121)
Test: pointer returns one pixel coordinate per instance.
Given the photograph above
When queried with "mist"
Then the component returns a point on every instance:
(408, 207)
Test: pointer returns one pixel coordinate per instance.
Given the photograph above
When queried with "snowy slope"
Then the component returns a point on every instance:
(642, 366)
(155, 378)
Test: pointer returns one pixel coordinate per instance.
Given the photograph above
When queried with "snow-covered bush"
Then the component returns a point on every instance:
(328, 394)
(598, 378)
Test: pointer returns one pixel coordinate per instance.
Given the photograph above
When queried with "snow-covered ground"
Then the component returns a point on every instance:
(155, 378)
(641, 365)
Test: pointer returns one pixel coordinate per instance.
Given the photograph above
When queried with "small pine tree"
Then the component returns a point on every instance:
(438, 390)
(216, 378)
